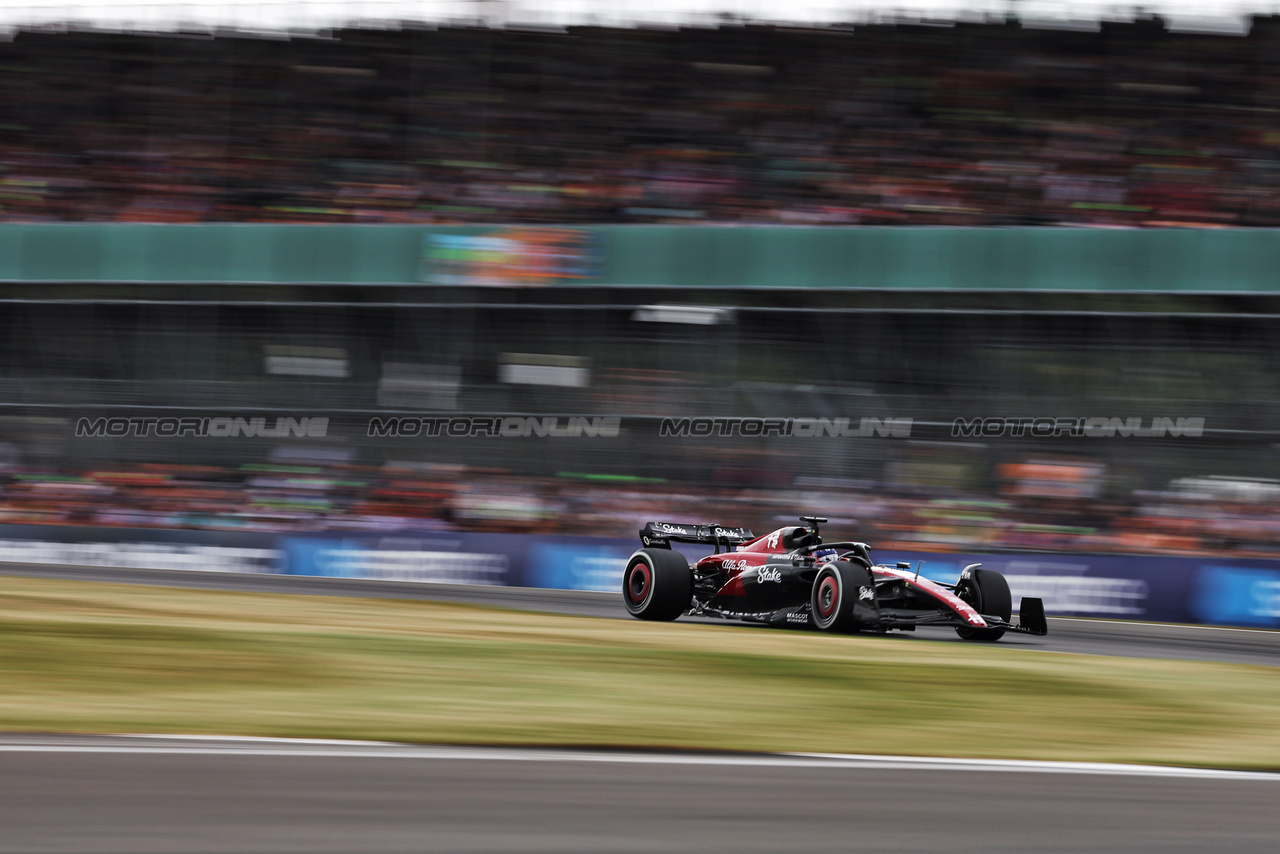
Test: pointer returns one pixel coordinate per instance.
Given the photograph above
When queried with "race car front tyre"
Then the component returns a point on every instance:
(835, 596)
(988, 593)
(657, 584)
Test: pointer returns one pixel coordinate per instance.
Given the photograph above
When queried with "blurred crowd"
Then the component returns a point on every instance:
(963, 125)
(1199, 517)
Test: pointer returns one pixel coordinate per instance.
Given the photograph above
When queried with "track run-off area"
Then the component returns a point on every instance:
(1085, 636)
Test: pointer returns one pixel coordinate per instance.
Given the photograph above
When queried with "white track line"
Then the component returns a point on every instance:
(232, 746)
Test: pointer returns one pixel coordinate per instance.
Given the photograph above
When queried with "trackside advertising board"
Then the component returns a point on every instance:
(1235, 592)
(1126, 587)
(139, 548)
(516, 560)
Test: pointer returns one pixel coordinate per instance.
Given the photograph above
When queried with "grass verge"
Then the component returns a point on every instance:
(98, 657)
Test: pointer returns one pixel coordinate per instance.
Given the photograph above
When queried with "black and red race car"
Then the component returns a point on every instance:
(790, 577)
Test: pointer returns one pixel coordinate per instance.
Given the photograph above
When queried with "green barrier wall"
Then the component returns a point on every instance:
(948, 258)
(689, 256)
(210, 253)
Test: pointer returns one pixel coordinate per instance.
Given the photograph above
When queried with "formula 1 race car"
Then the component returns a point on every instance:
(790, 577)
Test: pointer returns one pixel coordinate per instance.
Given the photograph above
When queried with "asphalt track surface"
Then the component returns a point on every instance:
(179, 795)
(70, 793)
(1090, 637)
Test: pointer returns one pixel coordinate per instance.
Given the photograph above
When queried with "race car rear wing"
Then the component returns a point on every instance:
(659, 535)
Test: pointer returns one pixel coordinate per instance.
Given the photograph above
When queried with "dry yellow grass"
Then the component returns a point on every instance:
(90, 657)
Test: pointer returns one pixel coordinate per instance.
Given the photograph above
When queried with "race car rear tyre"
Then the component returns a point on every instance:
(988, 593)
(657, 584)
(835, 596)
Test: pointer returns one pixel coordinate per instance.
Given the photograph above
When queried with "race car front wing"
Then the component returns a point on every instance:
(1031, 618)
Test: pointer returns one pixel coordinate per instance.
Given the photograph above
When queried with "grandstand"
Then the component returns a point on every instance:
(972, 124)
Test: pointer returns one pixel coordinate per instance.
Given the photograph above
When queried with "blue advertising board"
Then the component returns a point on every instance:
(1237, 596)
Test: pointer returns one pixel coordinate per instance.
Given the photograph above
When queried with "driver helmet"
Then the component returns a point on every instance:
(825, 554)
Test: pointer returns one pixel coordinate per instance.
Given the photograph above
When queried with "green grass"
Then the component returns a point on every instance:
(90, 657)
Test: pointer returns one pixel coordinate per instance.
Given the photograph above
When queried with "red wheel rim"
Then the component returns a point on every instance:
(638, 580)
(828, 596)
